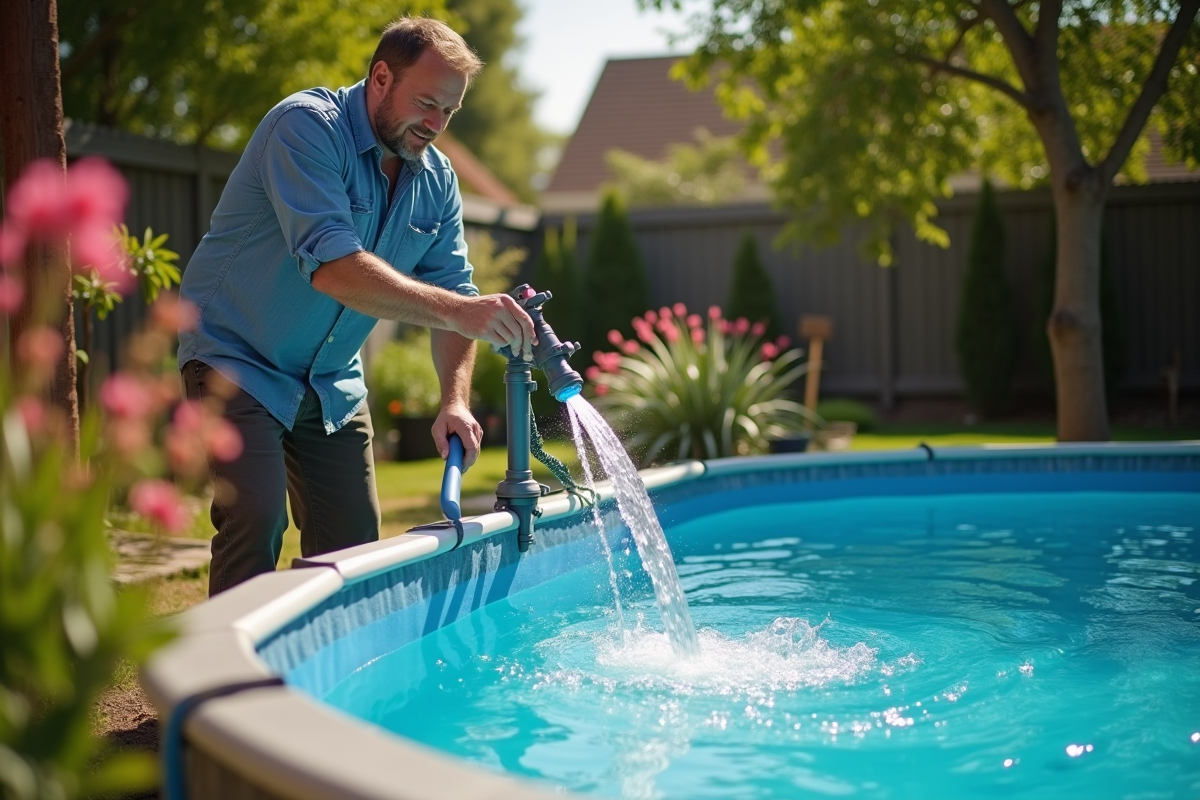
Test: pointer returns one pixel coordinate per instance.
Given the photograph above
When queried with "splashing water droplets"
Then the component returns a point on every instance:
(638, 513)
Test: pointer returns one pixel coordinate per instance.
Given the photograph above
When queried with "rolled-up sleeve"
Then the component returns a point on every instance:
(300, 170)
(445, 263)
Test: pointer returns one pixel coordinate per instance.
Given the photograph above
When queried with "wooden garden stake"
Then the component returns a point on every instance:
(817, 330)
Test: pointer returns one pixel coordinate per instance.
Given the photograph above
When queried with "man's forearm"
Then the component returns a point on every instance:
(369, 285)
(454, 359)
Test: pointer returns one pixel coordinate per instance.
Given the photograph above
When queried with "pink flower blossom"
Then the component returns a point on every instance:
(128, 436)
(758, 328)
(173, 314)
(591, 373)
(664, 313)
(714, 312)
(126, 397)
(601, 389)
(159, 501)
(783, 342)
(607, 362)
(680, 310)
(769, 351)
(37, 203)
(643, 330)
(223, 440)
(698, 335)
(94, 245)
(40, 347)
(12, 244)
(12, 294)
(742, 326)
(189, 417)
(724, 326)
(630, 347)
(651, 316)
(96, 192)
(615, 338)
(670, 333)
(694, 321)
(33, 413)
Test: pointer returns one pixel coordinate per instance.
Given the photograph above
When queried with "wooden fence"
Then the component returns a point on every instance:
(894, 327)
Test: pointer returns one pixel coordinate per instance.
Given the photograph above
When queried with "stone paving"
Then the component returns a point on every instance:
(143, 556)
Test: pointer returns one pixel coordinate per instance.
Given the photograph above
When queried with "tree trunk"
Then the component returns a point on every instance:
(32, 119)
(1074, 323)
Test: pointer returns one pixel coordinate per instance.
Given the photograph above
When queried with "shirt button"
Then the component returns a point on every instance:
(330, 339)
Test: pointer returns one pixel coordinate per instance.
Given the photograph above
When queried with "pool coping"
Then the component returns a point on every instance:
(291, 745)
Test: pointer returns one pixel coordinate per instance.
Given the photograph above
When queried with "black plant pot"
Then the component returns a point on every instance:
(416, 440)
(792, 444)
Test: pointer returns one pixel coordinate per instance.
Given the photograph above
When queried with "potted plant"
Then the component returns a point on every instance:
(405, 395)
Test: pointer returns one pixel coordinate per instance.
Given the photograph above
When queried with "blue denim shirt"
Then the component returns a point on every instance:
(309, 189)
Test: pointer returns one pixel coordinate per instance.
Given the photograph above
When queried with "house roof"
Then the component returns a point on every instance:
(636, 106)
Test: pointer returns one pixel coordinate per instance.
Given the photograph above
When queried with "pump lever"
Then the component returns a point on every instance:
(452, 479)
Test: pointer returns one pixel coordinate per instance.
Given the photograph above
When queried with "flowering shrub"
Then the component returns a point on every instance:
(63, 626)
(689, 387)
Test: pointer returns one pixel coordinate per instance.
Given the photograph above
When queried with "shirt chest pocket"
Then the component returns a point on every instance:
(363, 216)
(418, 236)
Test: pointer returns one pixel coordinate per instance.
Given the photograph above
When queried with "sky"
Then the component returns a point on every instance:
(568, 41)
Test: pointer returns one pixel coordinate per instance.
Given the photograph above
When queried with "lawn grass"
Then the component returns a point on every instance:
(895, 437)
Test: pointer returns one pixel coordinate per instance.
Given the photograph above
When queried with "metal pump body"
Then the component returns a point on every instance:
(519, 492)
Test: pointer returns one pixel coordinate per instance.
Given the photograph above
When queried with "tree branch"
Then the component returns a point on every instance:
(1152, 90)
(1019, 42)
(1045, 37)
(108, 30)
(1022, 98)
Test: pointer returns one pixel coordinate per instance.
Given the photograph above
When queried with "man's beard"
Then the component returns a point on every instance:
(394, 140)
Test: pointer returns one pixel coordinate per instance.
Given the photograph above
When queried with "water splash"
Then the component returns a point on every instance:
(589, 480)
(638, 513)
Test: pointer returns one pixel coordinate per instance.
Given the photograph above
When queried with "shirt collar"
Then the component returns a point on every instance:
(364, 134)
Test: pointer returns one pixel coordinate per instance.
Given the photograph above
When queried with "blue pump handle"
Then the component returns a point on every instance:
(452, 479)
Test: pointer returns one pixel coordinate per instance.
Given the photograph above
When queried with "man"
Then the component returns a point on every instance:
(340, 212)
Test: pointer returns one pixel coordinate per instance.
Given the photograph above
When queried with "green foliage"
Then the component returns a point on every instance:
(843, 409)
(986, 337)
(695, 391)
(208, 71)
(496, 120)
(706, 173)
(403, 380)
(862, 111)
(615, 282)
(493, 272)
(94, 294)
(557, 272)
(153, 264)
(1112, 342)
(751, 294)
(487, 379)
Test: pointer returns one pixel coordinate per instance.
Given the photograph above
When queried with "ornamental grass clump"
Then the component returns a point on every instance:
(693, 388)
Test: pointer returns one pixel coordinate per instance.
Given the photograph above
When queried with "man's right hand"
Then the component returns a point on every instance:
(497, 319)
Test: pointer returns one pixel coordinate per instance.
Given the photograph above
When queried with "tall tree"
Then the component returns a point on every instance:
(751, 293)
(874, 105)
(615, 284)
(496, 120)
(31, 126)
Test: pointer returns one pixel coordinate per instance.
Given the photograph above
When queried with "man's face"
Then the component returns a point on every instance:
(419, 105)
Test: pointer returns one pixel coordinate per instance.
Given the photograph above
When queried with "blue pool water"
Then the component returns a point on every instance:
(994, 645)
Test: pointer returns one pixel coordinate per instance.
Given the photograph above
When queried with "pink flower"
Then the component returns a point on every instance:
(40, 347)
(694, 321)
(189, 417)
(714, 312)
(758, 328)
(93, 245)
(128, 436)
(37, 203)
(651, 317)
(12, 244)
(591, 373)
(643, 330)
(680, 310)
(159, 502)
(223, 440)
(698, 335)
(783, 342)
(664, 313)
(769, 351)
(601, 389)
(173, 314)
(724, 326)
(96, 192)
(670, 333)
(630, 347)
(615, 338)
(33, 413)
(125, 397)
(742, 326)
(12, 294)
(607, 362)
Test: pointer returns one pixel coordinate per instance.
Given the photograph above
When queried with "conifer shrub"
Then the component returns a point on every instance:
(615, 283)
(751, 293)
(986, 336)
(557, 271)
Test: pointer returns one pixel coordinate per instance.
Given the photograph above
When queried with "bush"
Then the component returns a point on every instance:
(689, 389)
(1112, 342)
(842, 409)
(615, 281)
(487, 380)
(557, 272)
(751, 294)
(403, 381)
(986, 337)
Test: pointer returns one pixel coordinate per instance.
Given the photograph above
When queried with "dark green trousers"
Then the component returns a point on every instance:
(329, 480)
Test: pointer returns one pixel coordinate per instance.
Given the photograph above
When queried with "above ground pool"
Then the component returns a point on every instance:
(983, 622)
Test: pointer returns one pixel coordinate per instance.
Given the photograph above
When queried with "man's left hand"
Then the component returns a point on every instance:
(456, 418)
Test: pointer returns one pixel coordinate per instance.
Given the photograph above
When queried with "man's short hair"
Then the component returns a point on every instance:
(404, 40)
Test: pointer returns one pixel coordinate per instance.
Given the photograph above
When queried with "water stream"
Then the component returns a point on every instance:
(638, 513)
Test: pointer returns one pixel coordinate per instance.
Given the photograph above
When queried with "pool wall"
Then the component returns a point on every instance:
(230, 677)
